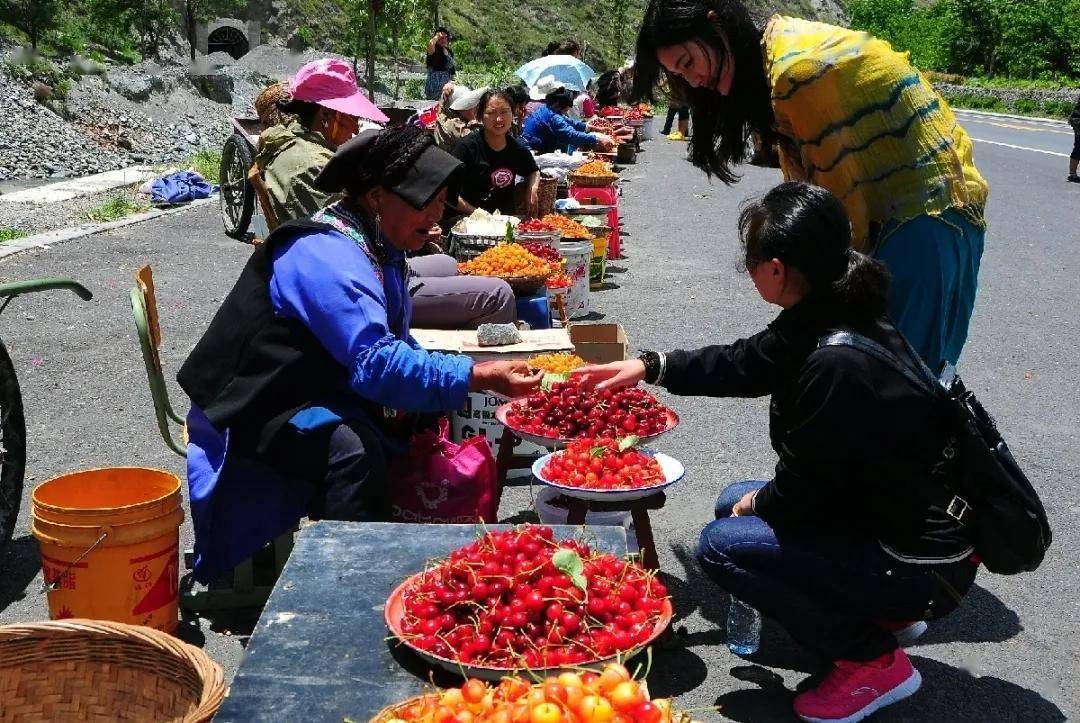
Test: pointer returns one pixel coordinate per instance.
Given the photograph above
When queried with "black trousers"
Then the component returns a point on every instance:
(682, 111)
(346, 466)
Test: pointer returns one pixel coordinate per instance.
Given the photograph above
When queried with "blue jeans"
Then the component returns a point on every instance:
(934, 262)
(827, 592)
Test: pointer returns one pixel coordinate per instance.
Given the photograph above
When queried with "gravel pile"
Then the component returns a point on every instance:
(38, 143)
(154, 112)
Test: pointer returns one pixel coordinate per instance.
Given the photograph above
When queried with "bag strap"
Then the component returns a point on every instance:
(918, 374)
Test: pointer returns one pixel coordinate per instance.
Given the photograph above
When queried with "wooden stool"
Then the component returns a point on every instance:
(639, 513)
(507, 460)
(578, 508)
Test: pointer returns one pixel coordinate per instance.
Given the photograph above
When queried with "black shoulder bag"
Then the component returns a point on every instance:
(991, 494)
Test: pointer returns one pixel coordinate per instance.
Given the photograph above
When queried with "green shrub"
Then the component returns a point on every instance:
(10, 234)
(1026, 105)
(115, 207)
(414, 89)
(951, 78)
(975, 101)
(1058, 108)
(207, 163)
(307, 34)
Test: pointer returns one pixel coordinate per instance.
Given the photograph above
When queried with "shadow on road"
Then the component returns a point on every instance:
(947, 693)
(982, 618)
(19, 566)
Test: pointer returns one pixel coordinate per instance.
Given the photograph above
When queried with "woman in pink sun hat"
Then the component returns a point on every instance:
(326, 104)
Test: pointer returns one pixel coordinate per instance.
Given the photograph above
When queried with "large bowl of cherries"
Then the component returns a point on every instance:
(608, 469)
(567, 411)
(522, 600)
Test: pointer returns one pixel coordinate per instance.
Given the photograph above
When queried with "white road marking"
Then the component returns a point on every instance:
(1028, 128)
(1021, 148)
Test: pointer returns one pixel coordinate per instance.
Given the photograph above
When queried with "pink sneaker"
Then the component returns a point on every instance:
(906, 632)
(853, 690)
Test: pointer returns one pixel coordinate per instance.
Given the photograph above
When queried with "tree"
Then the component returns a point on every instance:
(119, 24)
(404, 23)
(33, 17)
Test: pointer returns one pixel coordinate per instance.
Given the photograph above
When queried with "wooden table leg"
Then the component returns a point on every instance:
(643, 531)
(578, 510)
(506, 455)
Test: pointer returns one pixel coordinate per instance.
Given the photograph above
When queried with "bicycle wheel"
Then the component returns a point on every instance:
(12, 448)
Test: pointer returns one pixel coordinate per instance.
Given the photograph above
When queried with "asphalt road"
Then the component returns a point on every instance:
(1009, 654)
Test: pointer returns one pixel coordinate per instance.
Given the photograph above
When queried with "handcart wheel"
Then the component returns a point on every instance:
(237, 195)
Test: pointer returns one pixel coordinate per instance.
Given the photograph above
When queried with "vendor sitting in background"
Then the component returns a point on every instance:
(292, 157)
(457, 116)
(519, 101)
(549, 130)
(292, 154)
(609, 89)
(308, 380)
(493, 160)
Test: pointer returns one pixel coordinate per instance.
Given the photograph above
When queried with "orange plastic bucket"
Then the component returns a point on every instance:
(110, 545)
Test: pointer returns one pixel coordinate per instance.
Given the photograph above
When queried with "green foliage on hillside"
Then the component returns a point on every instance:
(1019, 39)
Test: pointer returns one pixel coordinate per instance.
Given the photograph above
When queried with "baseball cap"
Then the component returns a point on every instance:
(468, 99)
(544, 86)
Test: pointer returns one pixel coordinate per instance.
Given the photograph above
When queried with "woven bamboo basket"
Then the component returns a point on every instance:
(526, 285)
(578, 179)
(546, 192)
(92, 670)
(391, 711)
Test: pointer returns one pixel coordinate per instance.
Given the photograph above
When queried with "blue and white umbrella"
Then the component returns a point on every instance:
(565, 69)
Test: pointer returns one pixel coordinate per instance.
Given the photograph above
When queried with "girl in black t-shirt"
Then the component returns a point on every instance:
(493, 161)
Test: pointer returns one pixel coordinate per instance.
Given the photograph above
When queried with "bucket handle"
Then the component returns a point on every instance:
(47, 586)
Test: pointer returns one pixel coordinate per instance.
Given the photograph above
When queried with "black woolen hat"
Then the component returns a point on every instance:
(434, 169)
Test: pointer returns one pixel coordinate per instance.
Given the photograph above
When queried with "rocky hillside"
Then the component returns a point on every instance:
(152, 112)
(166, 110)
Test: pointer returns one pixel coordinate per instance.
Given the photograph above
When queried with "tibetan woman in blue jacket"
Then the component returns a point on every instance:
(548, 129)
(307, 380)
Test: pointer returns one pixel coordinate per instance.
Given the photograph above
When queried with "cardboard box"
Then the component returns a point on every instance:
(599, 343)
(477, 418)
(533, 341)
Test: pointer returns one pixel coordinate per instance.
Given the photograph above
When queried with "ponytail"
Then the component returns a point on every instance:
(864, 285)
(807, 228)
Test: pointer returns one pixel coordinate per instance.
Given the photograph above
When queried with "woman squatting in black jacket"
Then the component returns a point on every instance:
(849, 547)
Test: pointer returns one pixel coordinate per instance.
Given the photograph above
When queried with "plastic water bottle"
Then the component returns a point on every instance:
(743, 628)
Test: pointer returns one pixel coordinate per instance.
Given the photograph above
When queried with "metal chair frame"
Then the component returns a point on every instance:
(240, 589)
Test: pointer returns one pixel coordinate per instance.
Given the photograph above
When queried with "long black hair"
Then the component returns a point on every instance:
(722, 124)
(487, 98)
(807, 228)
(518, 95)
(559, 100)
(608, 89)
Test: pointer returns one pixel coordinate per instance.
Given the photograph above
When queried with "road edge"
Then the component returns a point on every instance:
(1012, 116)
(43, 241)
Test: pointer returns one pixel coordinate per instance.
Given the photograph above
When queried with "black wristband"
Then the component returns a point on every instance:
(651, 360)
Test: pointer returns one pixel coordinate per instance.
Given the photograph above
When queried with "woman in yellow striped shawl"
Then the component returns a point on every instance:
(850, 114)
